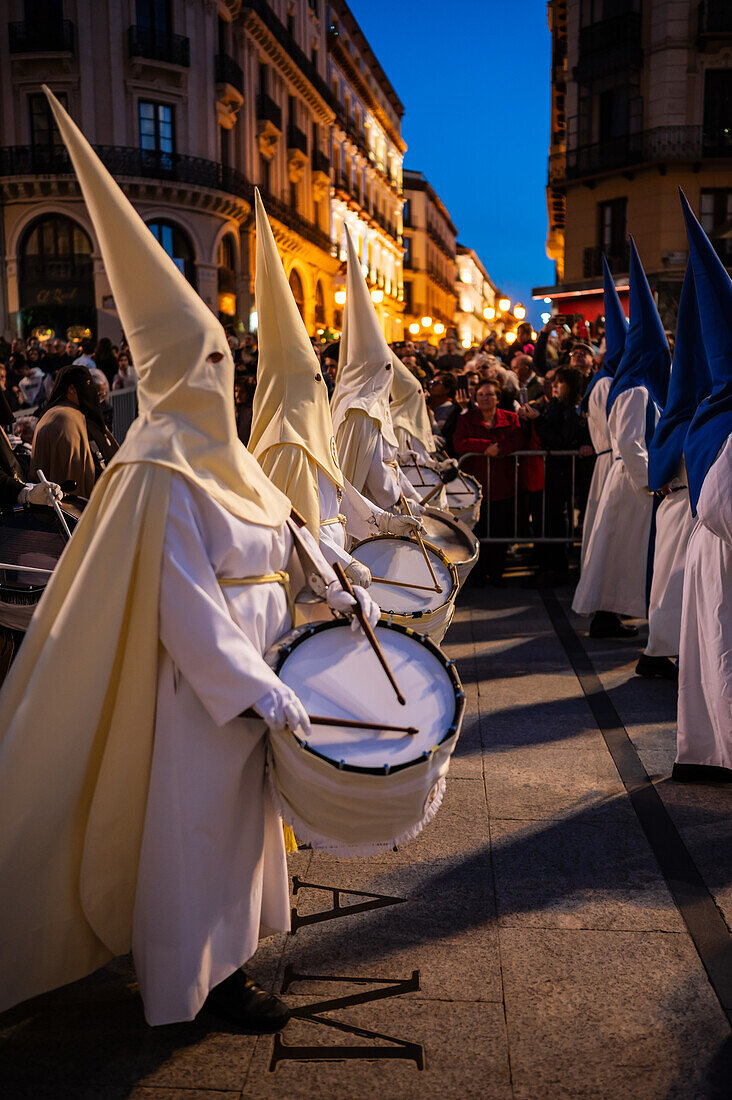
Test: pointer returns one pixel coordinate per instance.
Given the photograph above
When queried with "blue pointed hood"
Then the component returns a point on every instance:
(646, 360)
(616, 329)
(712, 423)
(691, 381)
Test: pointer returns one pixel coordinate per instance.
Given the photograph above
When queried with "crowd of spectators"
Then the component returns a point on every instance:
(500, 399)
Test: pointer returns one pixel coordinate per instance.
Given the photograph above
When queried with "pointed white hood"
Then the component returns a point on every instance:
(365, 370)
(291, 399)
(185, 370)
(408, 407)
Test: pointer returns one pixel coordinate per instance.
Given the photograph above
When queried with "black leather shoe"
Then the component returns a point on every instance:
(606, 624)
(241, 1002)
(701, 773)
(651, 668)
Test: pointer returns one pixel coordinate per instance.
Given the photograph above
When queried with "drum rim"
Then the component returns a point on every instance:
(306, 631)
(450, 520)
(467, 477)
(435, 550)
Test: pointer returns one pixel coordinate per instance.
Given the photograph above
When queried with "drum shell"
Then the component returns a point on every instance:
(461, 504)
(463, 565)
(355, 811)
(19, 600)
(434, 622)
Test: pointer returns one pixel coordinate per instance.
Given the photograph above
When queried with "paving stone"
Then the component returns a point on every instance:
(611, 1014)
(474, 1066)
(592, 869)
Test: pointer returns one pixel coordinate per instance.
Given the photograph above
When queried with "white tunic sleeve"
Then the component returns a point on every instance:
(221, 664)
(714, 508)
(627, 424)
(362, 516)
(382, 481)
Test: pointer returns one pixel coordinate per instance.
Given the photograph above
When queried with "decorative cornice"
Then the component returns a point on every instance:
(356, 78)
(264, 37)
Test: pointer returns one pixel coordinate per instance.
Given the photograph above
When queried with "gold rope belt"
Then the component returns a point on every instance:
(336, 519)
(278, 577)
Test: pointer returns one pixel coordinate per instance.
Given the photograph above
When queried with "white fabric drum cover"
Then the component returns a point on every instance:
(400, 559)
(356, 792)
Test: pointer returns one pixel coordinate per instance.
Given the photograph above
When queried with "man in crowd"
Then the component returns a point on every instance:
(72, 442)
(85, 358)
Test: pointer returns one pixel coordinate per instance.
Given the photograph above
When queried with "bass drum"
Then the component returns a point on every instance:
(410, 598)
(454, 538)
(31, 542)
(355, 792)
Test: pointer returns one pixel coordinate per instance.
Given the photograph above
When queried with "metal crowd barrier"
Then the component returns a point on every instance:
(529, 527)
(124, 411)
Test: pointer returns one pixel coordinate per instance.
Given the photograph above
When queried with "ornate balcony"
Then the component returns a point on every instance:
(269, 125)
(51, 37)
(297, 153)
(229, 90)
(173, 49)
(609, 45)
(618, 262)
(228, 72)
(658, 146)
(715, 21)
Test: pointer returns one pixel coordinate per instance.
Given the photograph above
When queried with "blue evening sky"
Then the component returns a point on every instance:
(473, 76)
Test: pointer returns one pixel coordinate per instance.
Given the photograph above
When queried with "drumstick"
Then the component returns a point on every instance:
(55, 505)
(353, 724)
(403, 584)
(368, 631)
(420, 540)
(432, 493)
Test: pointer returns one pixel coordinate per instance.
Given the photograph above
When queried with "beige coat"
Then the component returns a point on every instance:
(61, 449)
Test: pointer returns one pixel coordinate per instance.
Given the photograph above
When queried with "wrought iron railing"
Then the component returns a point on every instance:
(664, 143)
(296, 139)
(228, 72)
(618, 262)
(264, 12)
(320, 162)
(175, 49)
(268, 110)
(55, 36)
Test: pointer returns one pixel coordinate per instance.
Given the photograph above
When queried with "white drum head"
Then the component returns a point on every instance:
(401, 559)
(337, 675)
(463, 491)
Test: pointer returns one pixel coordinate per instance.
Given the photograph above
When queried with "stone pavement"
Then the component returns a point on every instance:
(526, 945)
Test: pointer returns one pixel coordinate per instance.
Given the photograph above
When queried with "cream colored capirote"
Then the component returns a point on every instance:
(364, 433)
(292, 430)
(77, 712)
(409, 412)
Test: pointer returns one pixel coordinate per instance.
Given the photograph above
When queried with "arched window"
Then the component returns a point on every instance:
(297, 291)
(56, 275)
(177, 245)
(319, 304)
(227, 278)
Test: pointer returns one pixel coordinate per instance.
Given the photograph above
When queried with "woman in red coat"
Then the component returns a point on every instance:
(497, 433)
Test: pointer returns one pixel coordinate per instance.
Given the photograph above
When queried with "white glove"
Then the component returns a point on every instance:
(358, 573)
(448, 464)
(339, 600)
(38, 493)
(390, 523)
(406, 458)
(281, 709)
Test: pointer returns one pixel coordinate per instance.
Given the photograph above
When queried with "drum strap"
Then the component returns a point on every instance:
(278, 577)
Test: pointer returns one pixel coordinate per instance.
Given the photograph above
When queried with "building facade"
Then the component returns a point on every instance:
(477, 299)
(366, 151)
(641, 105)
(191, 104)
(430, 268)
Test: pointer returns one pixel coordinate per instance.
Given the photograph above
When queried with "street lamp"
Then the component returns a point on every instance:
(509, 337)
(426, 322)
(519, 312)
(489, 313)
(439, 329)
(504, 304)
(377, 296)
(340, 297)
(414, 328)
(467, 342)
